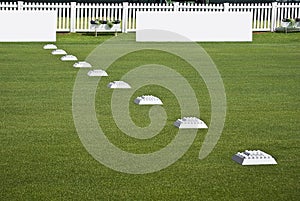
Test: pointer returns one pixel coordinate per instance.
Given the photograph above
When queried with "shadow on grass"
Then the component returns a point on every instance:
(98, 34)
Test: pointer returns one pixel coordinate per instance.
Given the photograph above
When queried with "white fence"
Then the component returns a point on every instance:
(75, 17)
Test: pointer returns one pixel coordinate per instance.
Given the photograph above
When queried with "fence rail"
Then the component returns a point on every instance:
(75, 17)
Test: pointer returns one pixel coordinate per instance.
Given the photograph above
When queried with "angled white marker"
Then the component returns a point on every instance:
(254, 157)
(69, 58)
(118, 85)
(58, 52)
(82, 64)
(97, 73)
(148, 100)
(190, 122)
(50, 47)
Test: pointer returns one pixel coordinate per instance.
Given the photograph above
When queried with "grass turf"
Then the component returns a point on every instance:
(42, 157)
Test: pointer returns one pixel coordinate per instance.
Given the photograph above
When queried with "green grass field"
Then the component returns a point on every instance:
(42, 157)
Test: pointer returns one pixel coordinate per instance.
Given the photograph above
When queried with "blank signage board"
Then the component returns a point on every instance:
(193, 26)
(27, 26)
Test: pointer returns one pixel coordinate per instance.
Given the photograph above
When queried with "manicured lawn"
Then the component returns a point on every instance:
(42, 157)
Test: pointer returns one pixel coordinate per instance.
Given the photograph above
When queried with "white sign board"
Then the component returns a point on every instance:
(193, 26)
(26, 26)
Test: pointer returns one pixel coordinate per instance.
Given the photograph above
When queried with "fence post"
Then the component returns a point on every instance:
(274, 16)
(125, 17)
(20, 5)
(226, 7)
(176, 6)
(73, 17)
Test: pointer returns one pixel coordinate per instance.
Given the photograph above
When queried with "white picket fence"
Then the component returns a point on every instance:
(75, 17)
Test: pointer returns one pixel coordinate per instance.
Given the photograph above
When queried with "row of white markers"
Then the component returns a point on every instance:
(184, 123)
(248, 157)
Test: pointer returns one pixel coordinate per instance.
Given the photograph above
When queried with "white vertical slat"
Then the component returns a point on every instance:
(267, 17)
(133, 19)
(112, 12)
(254, 17)
(285, 12)
(68, 18)
(59, 15)
(280, 14)
(76, 18)
(292, 12)
(93, 12)
(104, 13)
(258, 17)
(100, 11)
(130, 8)
(85, 21)
(89, 16)
(116, 13)
(264, 14)
(63, 17)
(80, 17)
(97, 11)
(270, 18)
(108, 14)
(25, 5)
(262, 18)
(120, 13)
